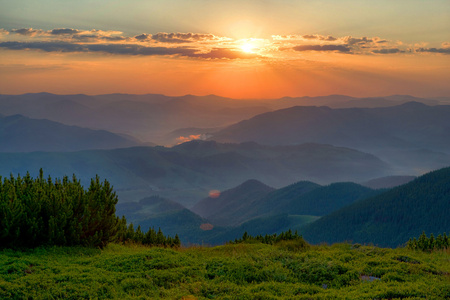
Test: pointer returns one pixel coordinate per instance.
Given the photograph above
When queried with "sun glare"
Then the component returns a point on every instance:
(248, 48)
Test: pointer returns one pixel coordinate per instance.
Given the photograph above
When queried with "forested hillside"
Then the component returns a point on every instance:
(227, 207)
(391, 218)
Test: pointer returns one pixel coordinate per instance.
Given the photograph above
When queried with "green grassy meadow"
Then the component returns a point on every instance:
(234, 271)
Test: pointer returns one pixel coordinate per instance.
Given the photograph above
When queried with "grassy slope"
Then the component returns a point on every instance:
(243, 271)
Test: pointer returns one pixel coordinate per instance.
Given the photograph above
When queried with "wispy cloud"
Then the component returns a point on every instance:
(388, 51)
(126, 49)
(339, 48)
(434, 50)
(199, 45)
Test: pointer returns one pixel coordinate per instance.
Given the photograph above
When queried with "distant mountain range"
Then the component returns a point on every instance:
(410, 125)
(146, 117)
(412, 137)
(22, 134)
(154, 118)
(186, 172)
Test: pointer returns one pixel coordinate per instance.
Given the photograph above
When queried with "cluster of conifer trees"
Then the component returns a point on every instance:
(270, 238)
(431, 243)
(151, 237)
(42, 211)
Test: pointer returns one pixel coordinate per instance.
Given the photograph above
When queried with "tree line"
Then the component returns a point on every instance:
(43, 211)
(431, 243)
(269, 238)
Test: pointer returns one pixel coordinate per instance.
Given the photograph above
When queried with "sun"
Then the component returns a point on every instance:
(247, 47)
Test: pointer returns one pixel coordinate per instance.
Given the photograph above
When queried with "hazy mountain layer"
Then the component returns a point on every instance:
(188, 172)
(411, 125)
(22, 134)
(153, 118)
(388, 181)
(412, 137)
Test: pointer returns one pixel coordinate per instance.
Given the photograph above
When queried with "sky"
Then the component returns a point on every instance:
(239, 49)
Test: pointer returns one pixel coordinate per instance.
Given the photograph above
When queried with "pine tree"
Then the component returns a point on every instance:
(160, 239)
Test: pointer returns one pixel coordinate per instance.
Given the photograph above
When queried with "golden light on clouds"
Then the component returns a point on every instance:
(67, 60)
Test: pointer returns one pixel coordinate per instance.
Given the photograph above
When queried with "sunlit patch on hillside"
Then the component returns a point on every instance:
(214, 194)
(184, 139)
(206, 226)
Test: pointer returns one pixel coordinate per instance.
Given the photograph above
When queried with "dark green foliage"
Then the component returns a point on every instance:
(41, 211)
(390, 218)
(425, 243)
(274, 239)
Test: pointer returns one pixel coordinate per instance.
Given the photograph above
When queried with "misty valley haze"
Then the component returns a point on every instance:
(178, 149)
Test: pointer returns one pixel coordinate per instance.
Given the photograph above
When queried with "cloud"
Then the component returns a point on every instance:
(388, 51)
(356, 41)
(3, 32)
(97, 38)
(339, 48)
(196, 45)
(180, 37)
(126, 49)
(294, 37)
(434, 50)
(143, 37)
(27, 31)
(319, 37)
(45, 46)
(133, 49)
(64, 31)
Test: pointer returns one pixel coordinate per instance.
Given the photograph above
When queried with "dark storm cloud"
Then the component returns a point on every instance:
(388, 51)
(339, 48)
(434, 50)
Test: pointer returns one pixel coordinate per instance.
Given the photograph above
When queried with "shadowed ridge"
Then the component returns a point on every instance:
(228, 207)
(390, 218)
